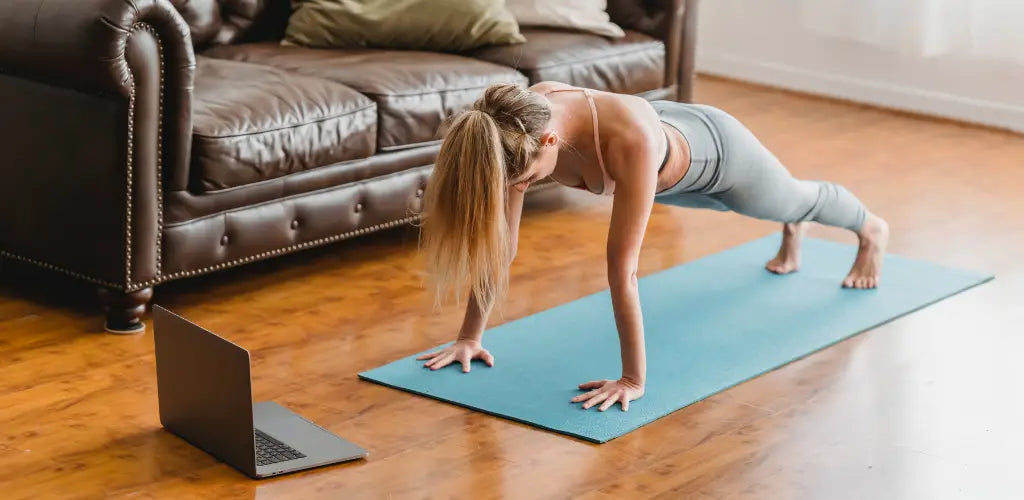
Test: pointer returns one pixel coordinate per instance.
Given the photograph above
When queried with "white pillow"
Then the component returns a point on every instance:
(581, 15)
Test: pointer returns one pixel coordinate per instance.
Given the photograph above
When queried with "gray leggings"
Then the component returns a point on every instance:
(730, 170)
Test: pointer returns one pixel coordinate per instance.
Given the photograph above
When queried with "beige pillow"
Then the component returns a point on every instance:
(590, 16)
(439, 25)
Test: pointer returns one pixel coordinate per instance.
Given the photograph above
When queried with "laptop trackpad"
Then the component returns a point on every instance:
(318, 444)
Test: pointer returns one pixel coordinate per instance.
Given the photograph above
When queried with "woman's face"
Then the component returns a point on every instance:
(542, 164)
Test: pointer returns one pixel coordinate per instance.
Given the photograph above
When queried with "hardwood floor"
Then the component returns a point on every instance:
(928, 406)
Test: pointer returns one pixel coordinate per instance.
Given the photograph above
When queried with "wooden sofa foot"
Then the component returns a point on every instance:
(124, 311)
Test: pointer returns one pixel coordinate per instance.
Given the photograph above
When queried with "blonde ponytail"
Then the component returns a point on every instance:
(464, 237)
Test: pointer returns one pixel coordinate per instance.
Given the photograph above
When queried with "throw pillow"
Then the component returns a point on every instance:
(438, 25)
(580, 15)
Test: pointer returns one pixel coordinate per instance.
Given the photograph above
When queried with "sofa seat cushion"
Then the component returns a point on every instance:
(252, 123)
(629, 65)
(414, 91)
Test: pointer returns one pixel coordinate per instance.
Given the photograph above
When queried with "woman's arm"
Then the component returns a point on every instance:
(634, 196)
(631, 209)
(476, 318)
(468, 344)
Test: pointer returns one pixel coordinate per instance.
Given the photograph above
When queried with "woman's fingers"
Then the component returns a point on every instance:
(435, 359)
(445, 361)
(441, 361)
(584, 397)
(601, 396)
(486, 356)
(464, 359)
(431, 355)
(625, 403)
(593, 384)
(438, 356)
(611, 400)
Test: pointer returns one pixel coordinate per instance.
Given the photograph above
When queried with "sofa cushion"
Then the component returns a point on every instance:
(628, 65)
(253, 123)
(414, 91)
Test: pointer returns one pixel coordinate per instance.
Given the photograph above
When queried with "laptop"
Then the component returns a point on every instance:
(205, 394)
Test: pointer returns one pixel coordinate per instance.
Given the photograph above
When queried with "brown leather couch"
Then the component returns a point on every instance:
(150, 140)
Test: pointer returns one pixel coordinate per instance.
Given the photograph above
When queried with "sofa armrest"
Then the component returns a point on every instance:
(82, 43)
(675, 23)
(87, 45)
(96, 103)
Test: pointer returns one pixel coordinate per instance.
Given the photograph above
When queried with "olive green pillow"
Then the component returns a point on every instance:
(438, 25)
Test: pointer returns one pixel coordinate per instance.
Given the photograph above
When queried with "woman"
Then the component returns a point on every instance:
(640, 152)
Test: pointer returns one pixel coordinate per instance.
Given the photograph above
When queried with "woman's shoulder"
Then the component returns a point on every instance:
(629, 123)
(550, 85)
(626, 111)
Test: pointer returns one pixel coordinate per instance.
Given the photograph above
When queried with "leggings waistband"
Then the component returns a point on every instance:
(696, 123)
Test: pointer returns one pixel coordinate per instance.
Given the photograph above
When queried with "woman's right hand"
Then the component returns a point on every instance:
(462, 351)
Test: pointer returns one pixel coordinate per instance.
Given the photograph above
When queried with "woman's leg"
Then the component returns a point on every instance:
(788, 258)
(775, 195)
(753, 182)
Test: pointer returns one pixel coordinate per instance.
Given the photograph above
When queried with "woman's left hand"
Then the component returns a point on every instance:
(609, 392)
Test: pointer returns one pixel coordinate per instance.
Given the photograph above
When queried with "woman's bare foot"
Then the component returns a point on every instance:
(788, 259)
(867, 268)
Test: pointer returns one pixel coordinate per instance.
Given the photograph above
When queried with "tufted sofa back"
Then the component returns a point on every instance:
(221, 22)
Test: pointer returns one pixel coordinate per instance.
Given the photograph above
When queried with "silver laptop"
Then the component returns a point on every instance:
(205, 393)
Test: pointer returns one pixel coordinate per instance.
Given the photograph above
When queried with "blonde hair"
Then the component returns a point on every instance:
(464, 237)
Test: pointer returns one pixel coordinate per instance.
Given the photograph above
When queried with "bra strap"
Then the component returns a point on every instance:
(608, 183)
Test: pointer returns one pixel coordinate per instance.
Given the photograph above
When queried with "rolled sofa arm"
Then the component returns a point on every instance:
(675, 23)
(96, 118)
(83, 42)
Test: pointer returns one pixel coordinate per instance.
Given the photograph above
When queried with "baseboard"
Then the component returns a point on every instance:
(886, 95)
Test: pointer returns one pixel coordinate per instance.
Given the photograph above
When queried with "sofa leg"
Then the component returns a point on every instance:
(124, 311)
(687, 66)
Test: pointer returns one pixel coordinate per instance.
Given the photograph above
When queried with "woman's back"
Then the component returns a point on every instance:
(613, 117)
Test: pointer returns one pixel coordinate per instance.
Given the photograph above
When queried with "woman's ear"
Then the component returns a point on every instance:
(550, 138)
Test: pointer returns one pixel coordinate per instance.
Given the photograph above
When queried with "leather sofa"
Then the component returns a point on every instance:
(144, 141)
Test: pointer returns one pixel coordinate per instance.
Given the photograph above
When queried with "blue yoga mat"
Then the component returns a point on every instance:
(709, 324)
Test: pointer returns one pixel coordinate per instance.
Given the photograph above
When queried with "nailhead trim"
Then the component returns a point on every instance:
(130, 180)
(52, 267)
(283, 250)
(223, 265)
(128, 286)
(159, 147)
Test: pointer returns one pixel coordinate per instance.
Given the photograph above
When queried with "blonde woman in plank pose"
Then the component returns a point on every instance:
(640, 152)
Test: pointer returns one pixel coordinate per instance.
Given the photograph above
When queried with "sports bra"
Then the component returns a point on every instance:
(609, 183)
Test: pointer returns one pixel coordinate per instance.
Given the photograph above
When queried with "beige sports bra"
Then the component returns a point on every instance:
(609, 184)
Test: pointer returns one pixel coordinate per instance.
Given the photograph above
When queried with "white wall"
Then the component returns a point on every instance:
(765, 41)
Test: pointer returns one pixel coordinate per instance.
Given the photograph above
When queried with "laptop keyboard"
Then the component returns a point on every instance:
(271, 451)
